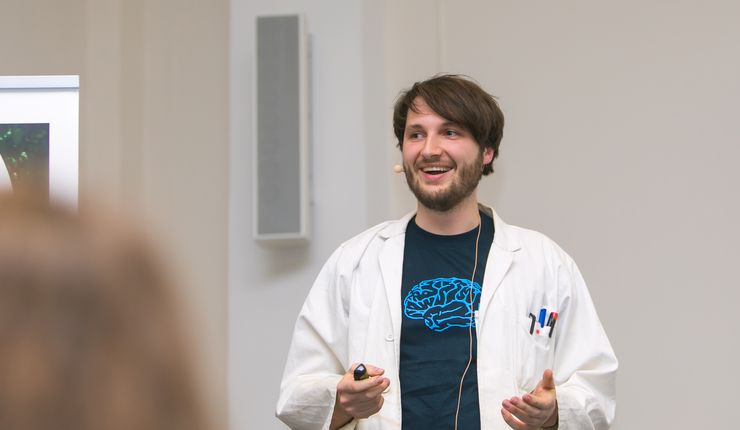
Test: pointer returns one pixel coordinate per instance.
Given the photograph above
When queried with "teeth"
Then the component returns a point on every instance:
(435, 169)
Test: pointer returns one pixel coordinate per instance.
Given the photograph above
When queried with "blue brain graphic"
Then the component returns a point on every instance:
(442, 303)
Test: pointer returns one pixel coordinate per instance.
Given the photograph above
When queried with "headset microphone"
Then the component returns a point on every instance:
(398, 168)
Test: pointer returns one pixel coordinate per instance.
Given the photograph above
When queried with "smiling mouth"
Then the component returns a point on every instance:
(435, 170)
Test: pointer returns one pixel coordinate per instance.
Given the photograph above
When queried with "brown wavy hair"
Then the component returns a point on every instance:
(460, 100)
(90, 328)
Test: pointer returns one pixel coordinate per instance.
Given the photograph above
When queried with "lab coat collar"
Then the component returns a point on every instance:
(503, 238)
(505, 243)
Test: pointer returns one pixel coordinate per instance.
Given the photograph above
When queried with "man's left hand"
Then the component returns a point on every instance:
(534, 410)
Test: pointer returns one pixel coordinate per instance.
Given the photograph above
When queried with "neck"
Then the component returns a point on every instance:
(461, 218)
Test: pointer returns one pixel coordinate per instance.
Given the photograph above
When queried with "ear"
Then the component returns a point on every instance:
(488, 154)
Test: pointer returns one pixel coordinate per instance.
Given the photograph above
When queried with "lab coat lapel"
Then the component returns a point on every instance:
(391, 269)
(499, 260)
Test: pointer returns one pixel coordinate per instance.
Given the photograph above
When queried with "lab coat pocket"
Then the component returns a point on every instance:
(533, 355)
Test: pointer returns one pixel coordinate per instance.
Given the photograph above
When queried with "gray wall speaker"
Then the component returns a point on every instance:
(281, 177)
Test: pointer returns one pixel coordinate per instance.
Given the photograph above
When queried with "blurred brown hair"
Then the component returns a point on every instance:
(90, 331)
(460, 100)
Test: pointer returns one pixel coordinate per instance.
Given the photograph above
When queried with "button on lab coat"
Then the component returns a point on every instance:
(353, 314)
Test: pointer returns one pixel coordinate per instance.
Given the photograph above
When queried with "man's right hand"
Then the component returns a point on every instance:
(358, 399)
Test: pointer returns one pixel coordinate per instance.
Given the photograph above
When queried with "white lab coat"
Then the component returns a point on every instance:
(353, 314)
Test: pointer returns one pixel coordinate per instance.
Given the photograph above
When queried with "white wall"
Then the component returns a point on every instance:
(268, 284)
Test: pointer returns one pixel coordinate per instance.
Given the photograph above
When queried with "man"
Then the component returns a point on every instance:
(461, 320)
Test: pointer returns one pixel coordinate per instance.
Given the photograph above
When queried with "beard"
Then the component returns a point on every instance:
(459, 189)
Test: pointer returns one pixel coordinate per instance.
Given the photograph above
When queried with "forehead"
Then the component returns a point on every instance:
(420, 113)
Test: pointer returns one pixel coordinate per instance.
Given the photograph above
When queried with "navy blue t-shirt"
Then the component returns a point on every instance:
(435, 342)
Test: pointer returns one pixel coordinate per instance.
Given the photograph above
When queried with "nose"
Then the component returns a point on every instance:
(432, 148)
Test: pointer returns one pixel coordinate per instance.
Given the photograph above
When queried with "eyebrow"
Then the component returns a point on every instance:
(451, 124)
(445, 124)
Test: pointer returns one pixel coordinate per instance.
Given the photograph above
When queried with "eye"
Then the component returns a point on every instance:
(414, 135)
(451, 133)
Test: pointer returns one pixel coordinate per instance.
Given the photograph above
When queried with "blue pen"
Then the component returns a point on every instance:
(543, 314)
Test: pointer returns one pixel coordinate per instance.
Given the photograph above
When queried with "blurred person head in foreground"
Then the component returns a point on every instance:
(90, 328)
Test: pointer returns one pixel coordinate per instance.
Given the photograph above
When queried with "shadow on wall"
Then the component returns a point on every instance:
(282, 258)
